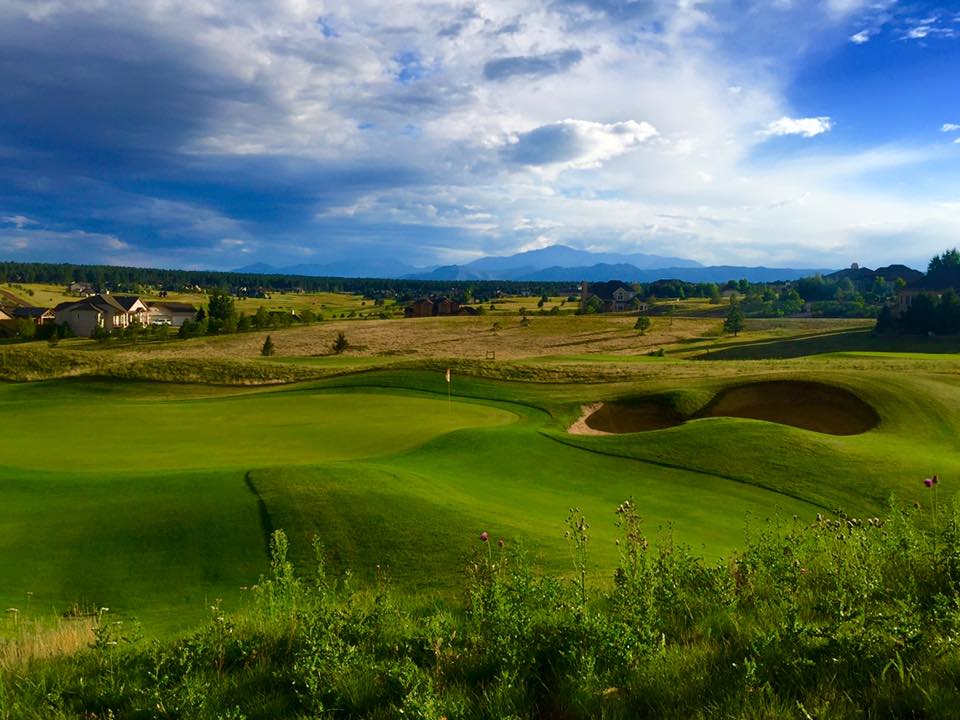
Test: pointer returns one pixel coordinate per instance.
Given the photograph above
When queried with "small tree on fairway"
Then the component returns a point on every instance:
(642, 324)
(340, 344)
(734, 322)
(268, 348)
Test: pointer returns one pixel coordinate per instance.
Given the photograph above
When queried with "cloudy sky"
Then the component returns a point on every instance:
(218, 133)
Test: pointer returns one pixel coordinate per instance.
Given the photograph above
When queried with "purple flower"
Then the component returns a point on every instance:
(928, 482)
(484, 536)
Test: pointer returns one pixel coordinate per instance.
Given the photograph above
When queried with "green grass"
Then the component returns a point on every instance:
(180, 482)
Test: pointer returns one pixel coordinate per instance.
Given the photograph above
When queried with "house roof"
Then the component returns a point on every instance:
(126, 301)
(100, 303)
(30, 312)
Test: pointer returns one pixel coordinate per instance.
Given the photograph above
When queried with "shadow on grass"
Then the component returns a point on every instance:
(845, 341)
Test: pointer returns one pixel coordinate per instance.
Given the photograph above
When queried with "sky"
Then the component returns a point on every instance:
(221, 133)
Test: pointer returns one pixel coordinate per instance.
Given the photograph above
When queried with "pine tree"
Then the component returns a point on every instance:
(268, 348)
(734, 322)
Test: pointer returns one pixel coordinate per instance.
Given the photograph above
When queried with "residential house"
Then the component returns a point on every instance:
(137, 310)
(39, 315)
(171, 313)
(445, 306)
(431, 306)
(419, 308)
(98, 311)
(80, 288)
(612, 296)
(906, 297)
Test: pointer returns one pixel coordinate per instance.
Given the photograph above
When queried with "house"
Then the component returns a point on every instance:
(906, 297)
(171, 313)
(431, 306)
(39, 315)
(137, 310)
(612, 296)
(419, 308)
(445, 306)
(80, 288)
(96, 312)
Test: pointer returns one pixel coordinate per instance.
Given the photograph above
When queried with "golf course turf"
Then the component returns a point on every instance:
(155, 499)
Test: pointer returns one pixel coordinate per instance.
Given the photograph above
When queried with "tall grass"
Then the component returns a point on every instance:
(843, 617)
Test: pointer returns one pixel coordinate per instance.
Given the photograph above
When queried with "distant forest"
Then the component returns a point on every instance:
(134, 279)
(139, 280)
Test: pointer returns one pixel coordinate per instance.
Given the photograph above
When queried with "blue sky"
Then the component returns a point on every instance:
(217, 134)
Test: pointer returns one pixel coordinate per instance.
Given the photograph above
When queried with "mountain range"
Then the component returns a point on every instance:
(554, 263)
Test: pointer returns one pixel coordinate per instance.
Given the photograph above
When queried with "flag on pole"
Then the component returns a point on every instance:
(448, 374)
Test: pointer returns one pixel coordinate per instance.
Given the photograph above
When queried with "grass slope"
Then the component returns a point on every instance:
(138, 495)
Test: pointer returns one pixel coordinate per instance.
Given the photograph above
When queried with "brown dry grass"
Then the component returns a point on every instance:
(31, 639)
(464, 338)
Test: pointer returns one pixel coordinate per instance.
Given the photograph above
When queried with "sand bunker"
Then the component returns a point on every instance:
(807, 405)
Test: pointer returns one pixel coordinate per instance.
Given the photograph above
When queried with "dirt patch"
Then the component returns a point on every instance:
(811, 406)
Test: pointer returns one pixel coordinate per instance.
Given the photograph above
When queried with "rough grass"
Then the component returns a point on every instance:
(841, 618)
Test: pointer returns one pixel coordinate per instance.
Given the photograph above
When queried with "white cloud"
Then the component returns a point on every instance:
(949, 127)
(861, 37)
(806, 127)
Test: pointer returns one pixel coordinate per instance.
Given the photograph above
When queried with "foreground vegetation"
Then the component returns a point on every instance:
(839, 618)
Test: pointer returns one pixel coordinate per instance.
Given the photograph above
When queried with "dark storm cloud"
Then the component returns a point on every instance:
(551, 63)
(84, 88)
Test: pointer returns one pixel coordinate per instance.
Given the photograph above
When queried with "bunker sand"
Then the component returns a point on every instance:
(807, 405)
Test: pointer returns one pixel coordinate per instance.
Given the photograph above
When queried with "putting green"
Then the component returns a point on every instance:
(81, 429)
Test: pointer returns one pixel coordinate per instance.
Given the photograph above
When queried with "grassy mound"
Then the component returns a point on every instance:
(808, 405)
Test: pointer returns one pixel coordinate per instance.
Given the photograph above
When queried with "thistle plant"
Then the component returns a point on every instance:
(578, 537)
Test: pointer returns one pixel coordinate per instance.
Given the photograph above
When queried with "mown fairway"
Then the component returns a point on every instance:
(154, 499)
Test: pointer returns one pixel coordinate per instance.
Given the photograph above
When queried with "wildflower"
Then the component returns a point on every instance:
(500, 542)
(484, 536)
(935, 479)
(928, 482)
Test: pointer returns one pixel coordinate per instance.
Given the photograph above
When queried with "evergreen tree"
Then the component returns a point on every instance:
(268, 348)
(734, 322)
(340, 344)
(642, 324)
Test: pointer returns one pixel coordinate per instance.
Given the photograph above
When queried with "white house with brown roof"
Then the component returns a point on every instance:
(137, 310)
(98, 311)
